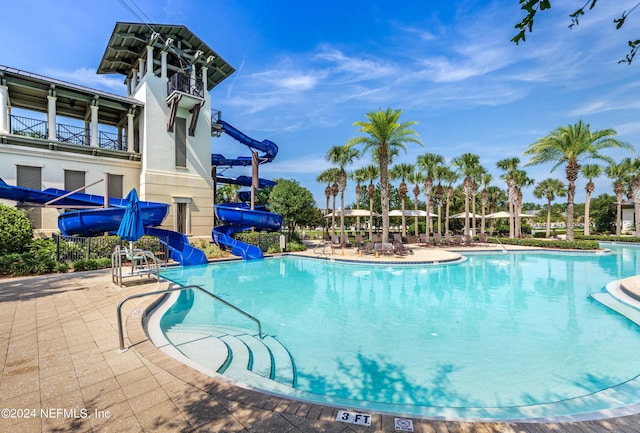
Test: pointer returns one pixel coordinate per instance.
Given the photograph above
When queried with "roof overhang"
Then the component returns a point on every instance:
(128, 43)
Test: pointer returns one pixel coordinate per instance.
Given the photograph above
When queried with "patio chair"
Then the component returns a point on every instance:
(368, 248)
(400, 250)
(449, 240)
(482, 239)
(383, 248)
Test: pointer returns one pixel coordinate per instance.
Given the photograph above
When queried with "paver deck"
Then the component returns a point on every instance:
(62, 371)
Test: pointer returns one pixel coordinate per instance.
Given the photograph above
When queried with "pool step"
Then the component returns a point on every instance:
(235, 352)
(618, 306)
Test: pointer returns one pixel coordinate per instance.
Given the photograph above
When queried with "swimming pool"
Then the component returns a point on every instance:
(498, 336)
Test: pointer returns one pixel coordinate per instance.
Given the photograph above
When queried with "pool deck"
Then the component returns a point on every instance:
(60, 361)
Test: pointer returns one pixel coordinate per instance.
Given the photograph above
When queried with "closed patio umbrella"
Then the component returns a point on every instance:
(131, 228)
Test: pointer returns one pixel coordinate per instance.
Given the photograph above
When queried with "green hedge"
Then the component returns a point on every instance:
(552, 243)
(603, 238)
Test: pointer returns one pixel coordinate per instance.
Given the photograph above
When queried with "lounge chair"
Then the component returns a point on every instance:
(383, 248)
(437, 239)
(467, 240)
(449, 240)
(359, 241)
(397, 237)
(368, 248)
(482, 238)
(400, 250)
(424, 239)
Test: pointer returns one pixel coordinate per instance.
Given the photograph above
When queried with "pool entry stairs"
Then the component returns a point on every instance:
(238, 353)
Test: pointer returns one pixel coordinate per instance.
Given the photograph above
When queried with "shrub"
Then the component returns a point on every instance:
(16, 231)
(211, 250)
(91, 264)
(560, 244)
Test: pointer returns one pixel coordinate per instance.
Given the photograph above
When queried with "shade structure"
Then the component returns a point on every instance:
(410, 213)
(464, 215)
(131, 228)
(496, 215)
(504, 214)
(352, 213)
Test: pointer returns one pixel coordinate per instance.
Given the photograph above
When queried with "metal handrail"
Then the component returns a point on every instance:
(176, 289)
(502, 245)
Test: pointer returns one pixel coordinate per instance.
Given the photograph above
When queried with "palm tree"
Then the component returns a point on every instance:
(416, 178)
(384, 133)
(617, 173)
(549, 189)
(510, 165)
(568, 145)
(402, 171)
(359, 175)
(485, 181)
(329, 176)
(467, 164)
(497, 198)
(522, 181)
(342, 156)
(371, 173)
(448, 176)
(632, 167)
(590, 171)
(477, 173)
(429, 162)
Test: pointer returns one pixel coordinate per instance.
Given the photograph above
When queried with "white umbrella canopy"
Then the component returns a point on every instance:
(410, 213)
(464, 215)
(501, 214)
(504, 214)
(352, 213)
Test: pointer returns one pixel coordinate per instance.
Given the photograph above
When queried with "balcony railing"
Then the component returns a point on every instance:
(183, 83)
(70, 134)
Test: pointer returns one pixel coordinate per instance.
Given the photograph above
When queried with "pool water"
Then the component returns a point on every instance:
(499, 333)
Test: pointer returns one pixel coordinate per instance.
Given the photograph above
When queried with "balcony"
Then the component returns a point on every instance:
(183, 83)
(68, 136)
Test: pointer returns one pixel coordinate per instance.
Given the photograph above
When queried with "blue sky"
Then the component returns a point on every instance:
(305, 71)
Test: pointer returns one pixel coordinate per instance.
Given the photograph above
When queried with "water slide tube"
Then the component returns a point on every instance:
(91, 222)
(238, 216)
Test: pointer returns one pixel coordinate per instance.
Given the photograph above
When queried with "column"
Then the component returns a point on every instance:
(4, 109)
(134, 78)
(163, 65)
(204, 78)
(51, 116)
(130, 131)
(127, 82)
(149, 59)
(141, 68)
(94, 124)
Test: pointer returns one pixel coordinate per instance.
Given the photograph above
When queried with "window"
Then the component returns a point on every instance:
(31, 177)
(73, 180)
(115, 186)
(181, 142)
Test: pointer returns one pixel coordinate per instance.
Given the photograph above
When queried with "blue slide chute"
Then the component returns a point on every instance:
(91, 222)
(239, 216)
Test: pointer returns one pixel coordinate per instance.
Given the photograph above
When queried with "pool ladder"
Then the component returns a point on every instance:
(177, 289)
(505, 250)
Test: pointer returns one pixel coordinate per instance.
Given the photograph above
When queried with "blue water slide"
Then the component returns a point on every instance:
(179, 248)
(268, 147)
(92, 222)
(239, 217)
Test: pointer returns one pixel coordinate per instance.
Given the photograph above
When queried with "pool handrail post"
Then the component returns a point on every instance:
(176, 289)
